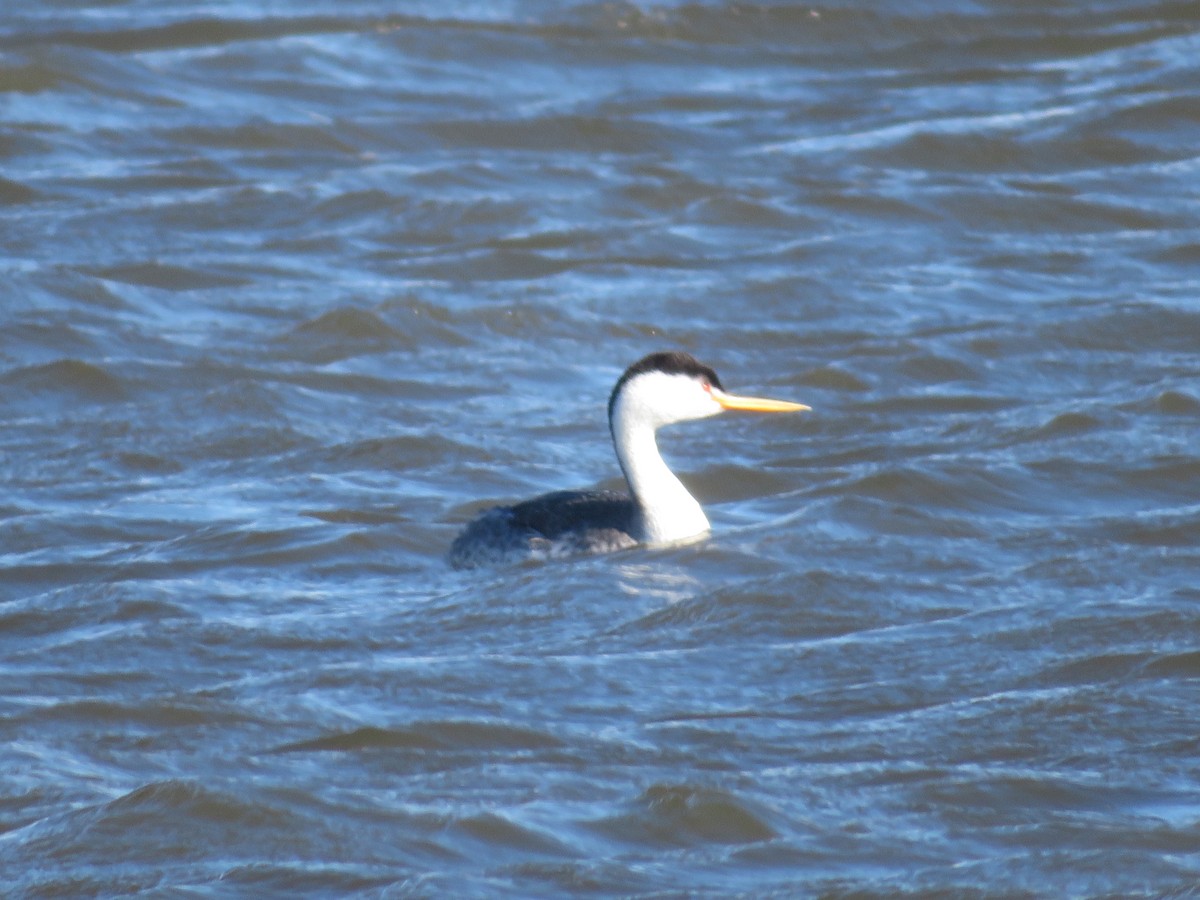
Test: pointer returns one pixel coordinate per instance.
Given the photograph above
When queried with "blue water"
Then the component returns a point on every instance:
(290, 294)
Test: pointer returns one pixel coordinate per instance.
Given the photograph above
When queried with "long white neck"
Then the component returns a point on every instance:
(669, 512)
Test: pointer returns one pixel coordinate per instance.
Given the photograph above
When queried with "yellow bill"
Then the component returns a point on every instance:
(755, 404)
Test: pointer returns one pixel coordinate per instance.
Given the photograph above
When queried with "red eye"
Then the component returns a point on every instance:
(707, 387)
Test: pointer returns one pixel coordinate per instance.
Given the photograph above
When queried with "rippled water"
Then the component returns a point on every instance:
(289, 295)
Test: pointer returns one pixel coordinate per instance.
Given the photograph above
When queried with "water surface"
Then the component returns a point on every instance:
(289, 295)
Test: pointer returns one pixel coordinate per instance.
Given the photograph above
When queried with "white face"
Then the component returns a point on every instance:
(657, 399)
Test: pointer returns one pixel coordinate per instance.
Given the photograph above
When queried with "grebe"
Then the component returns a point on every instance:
(661, 389)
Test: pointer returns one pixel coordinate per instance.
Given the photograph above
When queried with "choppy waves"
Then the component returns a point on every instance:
(288, 297)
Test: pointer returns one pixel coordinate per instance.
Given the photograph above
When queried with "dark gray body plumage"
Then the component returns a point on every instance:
(563, 523)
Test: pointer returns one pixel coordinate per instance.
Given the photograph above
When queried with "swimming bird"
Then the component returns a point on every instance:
(660, 389)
